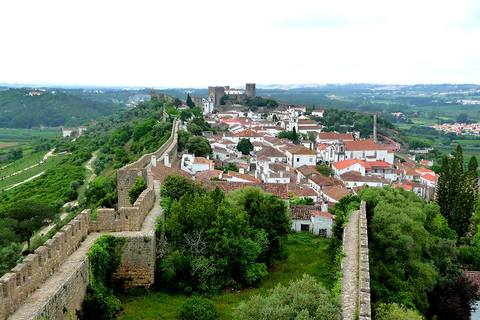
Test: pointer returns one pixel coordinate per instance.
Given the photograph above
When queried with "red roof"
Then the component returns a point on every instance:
(347, 163)
(360, 145)
(335, 136)
(429, 177)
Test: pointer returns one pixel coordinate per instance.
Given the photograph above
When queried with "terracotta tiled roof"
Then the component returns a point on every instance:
(321, 147)
(298, 149)
(244, 176)
(325, 214)
(271, 152)
(160, 171)
(274, 141)
(202, 160)
(357, 177)
(380, 164)
(308, 171)
(307, 122)
(323, 181)
(336, 192)
(411, 172)
(306, 192)
(249, 133)
(340, 165)
(304, 212)
(207, 175)
(278, 189)
(429, 177)
(335, 136)
(360, 145)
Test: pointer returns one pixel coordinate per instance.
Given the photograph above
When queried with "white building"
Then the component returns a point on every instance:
(299, 155)
(208, 104)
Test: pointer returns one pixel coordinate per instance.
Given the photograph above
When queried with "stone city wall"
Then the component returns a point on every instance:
(137, 268)
(16, 286)
(364, 306)
(67, 299)
(126, 176)
(127, 218)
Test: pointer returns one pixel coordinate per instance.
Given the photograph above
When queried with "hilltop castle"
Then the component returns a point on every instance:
(215, 95)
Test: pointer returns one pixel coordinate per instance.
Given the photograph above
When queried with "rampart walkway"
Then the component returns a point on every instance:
(355, 294)
(76, 264)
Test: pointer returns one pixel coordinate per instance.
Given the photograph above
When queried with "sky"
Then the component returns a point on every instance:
(194, 43)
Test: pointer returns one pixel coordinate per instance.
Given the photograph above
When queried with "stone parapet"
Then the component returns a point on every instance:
(126, 175)
(16, 286)
(127, 218)
(364, 304)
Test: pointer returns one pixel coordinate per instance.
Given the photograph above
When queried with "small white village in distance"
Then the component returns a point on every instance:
(289, 170)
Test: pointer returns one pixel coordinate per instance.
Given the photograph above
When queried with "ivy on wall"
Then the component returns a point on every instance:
(105, 257)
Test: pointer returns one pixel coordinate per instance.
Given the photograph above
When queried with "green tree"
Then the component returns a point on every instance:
(177, 102)
(189, 102)
(457, 191)
(138, 186)
(395, 311)
(462, 118)
(245, 146)
(294, 136)
(198, 146)
(267, 212)
(325, 170)
(185, 114)
(30, 216)
(10, 256)
(175, 186)
(302, 299)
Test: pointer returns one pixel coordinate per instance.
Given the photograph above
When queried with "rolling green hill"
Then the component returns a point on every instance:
(19, 109)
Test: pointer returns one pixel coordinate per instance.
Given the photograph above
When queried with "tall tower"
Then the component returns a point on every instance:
(375, 115)
(250, 90)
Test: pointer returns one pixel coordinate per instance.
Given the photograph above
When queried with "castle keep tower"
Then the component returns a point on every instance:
(250, 90)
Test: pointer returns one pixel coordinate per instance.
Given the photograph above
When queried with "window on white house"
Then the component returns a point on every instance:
(322, 233)
(298, 159)
(304, 227)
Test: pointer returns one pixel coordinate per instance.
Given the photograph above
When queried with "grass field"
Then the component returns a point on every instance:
(305, 255)
(22, 176)
(25, 162)
(21, 135)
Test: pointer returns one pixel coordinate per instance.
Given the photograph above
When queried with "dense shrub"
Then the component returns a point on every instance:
(198, 309)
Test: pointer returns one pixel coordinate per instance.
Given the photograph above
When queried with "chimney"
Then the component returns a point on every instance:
(153, 161)
(166, 160)
(324, 207)
(298, 177)
(281, 174)
(268, 174)
(208, 157)
(241, 170)
(256, 174)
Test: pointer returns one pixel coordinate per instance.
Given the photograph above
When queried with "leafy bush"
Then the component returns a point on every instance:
(198, 309)
(303, 299)
(137, 188)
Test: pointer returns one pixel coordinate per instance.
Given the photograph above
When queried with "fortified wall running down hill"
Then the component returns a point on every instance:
(52, 282)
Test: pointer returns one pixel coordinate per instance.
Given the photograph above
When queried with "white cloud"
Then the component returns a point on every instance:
(201, 43)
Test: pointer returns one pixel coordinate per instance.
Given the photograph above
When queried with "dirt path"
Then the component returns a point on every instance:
(45, 157)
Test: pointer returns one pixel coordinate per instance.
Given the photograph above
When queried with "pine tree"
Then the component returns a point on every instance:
(457, 191)
(444, 197)
(189, 102)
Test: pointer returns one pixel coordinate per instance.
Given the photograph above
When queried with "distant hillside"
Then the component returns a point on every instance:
(26, 108)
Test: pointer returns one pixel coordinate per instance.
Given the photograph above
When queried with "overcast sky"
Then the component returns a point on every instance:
(174, 43)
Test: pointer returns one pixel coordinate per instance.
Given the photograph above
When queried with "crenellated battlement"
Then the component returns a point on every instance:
(16, 286)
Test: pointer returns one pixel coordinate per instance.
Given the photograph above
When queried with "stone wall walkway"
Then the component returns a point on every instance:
(39, 299)
(349, 294)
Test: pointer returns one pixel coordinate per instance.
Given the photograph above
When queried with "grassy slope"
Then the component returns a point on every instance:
(311, 257)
